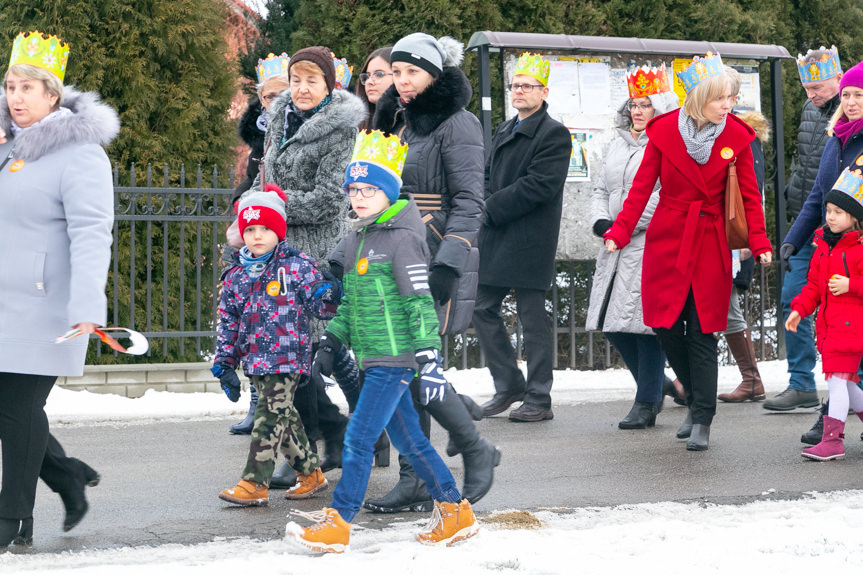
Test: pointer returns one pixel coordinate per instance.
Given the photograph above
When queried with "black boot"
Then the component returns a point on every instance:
(685, 429)
(245, 426)
(813, 436)
(25, 533)
(475, 412)
(8, 531)
(284, 477)
(333, 452)
(699, 438)
(479, 464)
(409, 494)
(641, 416)
(382, 450)
(76, 506)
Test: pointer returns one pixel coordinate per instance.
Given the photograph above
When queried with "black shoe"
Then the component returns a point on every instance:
(479, 467)
(500, 403)
(8, 531)
(669, 389)
(245, 426)
(685, 429)
(284, 477)
(382, 450)
(473, 409)
(813, 436)
(530, 413)
(25, 534)
(641, 416)
(699, 438)
(333, 453)
(409, 494)
(76, 508)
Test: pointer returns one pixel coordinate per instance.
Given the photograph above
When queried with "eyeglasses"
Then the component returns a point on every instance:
(526, 88)
(364, 192)
(643, 107)
(269, 97)
(374, 77)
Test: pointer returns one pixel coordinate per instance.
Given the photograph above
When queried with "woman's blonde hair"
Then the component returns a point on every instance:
(52, 83)
(704, 92)
(837, 115)
(307, 67)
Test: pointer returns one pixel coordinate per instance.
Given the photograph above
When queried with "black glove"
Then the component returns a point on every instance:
(442, 281)
(329, 289)
(601, 226)
(228, 380)
(432, 381)
(326, 356)
(785, 252)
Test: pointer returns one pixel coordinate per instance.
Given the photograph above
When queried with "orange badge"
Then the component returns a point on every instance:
(860, 160)
(726, 153)
(16, 165)
(273, 288)
(363, 266)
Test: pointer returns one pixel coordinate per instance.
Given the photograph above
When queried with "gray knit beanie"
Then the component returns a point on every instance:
(427, 52)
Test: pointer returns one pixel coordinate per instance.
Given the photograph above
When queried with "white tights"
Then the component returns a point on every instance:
(843, 394)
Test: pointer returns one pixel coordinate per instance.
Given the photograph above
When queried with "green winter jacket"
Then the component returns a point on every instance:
(387, 313)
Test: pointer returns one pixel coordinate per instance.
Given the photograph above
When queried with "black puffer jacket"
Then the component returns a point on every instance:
(254, 137)
(444, 173)
(811, 138)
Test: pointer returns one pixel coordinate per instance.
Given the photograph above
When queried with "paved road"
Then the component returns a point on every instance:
(161, 480)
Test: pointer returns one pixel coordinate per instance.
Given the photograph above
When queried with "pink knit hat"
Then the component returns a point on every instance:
(852, 77)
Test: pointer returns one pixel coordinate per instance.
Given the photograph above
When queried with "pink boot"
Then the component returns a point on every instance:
(831, 445)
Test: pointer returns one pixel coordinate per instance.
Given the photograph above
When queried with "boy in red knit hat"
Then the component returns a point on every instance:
(267, 299)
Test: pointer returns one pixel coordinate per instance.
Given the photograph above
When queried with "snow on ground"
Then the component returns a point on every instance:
(570, 388)
(822, 532)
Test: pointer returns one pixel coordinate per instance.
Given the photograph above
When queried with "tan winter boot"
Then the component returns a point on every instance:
(750, 388)
(329, 534)
(450, 523)
(307, 485)
(246, 493)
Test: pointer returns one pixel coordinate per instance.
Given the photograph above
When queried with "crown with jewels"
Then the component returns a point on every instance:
(387, 152)
(533, 65)
(646, 81)
(35, 49)
(701, 69)
(272, 66)
(344, 73)
(851, 182)
(816, 68)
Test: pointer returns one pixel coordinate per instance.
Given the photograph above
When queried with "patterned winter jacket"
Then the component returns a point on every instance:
(264, 322)
(387, 313)
(839, 325)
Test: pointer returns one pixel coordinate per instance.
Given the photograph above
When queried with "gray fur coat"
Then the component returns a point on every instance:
(56, 214)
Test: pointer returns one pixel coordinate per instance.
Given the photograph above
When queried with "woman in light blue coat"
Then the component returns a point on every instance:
(56, 214)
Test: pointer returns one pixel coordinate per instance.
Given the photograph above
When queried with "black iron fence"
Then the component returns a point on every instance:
(169, 231)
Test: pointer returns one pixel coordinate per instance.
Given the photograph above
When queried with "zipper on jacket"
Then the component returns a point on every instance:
(355, 297)
(387, 317)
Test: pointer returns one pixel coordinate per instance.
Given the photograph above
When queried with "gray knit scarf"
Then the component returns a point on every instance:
(699, 143)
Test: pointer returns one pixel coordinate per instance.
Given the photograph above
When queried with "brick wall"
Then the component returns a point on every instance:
(134, 380)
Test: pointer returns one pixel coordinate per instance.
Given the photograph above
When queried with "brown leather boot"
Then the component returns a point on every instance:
(750, 388)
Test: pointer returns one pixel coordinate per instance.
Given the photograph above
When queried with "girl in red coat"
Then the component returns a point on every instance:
(835, 285)
(686, 274)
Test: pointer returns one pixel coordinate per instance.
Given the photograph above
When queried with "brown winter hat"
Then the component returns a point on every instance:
(321, 57)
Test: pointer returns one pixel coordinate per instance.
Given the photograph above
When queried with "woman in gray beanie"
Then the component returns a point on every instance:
(444, 172)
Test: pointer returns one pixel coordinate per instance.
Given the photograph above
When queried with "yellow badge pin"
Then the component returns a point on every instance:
(726, 153)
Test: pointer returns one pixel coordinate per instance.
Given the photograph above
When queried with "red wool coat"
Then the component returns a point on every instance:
(685, 247)
(839, 325)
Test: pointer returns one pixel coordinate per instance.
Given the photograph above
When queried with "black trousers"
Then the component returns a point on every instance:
(497, 348)
(321, 417)
(29, 450)
(692, 355)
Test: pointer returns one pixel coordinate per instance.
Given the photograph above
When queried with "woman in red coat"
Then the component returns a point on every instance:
(686, 277)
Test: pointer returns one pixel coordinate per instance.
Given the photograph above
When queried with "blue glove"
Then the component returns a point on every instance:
(326, 355)
(432, 381)
(228, 379)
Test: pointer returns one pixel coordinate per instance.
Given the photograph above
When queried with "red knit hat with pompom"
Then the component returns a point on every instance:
(266, 208)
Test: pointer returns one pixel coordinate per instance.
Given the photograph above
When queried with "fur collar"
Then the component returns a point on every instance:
(448, 94)
(91, 122)
(248, 126)
(758, 123)
(344, 111)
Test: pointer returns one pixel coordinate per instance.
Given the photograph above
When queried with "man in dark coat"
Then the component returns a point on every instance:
(524, 177)
(822, 93)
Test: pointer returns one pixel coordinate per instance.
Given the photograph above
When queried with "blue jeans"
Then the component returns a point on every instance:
(800, 346)
(386, 400)
(644, 358)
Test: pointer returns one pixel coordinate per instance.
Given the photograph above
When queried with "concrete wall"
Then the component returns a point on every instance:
(134, 380)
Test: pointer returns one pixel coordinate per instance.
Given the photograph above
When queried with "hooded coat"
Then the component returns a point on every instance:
(615, 296)
(443, 172)
(56, 215)
(685, 245)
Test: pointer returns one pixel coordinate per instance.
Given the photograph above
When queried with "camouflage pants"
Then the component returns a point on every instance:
(277, 423)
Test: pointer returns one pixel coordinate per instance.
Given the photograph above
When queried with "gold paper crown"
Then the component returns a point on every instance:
(533, 65)
(35, 49)
(386, 151)
(815, 69)
(272, 66)
(851, 182)
(701, 69)
(344, 73)
(646, 81)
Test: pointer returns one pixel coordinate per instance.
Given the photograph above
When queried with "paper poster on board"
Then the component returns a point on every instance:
(679, 65)
(563, 89)
(594, 84)
(579, 170)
